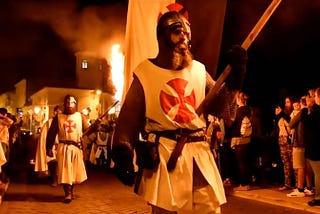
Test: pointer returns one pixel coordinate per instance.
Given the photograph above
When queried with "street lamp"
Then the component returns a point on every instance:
(30, 120)
(98, 92)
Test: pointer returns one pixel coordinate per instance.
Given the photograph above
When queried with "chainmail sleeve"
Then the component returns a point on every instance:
(224, 104)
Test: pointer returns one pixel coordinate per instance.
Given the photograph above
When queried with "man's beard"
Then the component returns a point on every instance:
(182, 56)
(69, 110)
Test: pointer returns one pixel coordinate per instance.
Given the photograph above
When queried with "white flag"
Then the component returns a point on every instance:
(206, 18)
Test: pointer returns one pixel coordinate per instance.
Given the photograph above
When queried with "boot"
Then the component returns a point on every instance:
(54, 181)
(52, 165)
(67, 193)
(72, 195)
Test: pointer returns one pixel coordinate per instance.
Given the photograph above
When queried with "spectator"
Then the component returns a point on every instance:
(282, 121)
(298, 150)
(288, 107)
(3, 160)
(310, 118)
(241, 131)
(5, 123)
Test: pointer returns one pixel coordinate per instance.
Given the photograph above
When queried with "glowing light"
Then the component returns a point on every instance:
(86, 111)
(117, 66)
(98, 92)
(36, 110)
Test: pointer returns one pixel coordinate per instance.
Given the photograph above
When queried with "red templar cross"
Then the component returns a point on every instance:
(69, 125)
(168, 101)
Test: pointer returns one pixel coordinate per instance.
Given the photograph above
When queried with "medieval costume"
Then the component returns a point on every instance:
(45, 165)
(161, 107)
(69, 128)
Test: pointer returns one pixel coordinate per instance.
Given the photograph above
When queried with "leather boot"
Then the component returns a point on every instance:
(54, 181)
(72, 195)
(52, 165)
(67, 193)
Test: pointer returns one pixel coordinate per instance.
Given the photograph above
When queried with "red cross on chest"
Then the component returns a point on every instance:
(168, 101)
(69, 126)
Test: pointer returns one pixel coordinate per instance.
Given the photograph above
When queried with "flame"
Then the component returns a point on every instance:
(117, 67)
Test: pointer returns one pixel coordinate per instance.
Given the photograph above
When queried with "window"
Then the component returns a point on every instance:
(84, 64)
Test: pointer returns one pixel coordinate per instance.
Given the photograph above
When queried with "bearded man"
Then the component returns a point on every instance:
(69, 126)
(161, 107)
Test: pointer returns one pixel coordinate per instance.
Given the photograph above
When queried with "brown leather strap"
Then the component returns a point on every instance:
(69, 142)
(176, 153)
(181, 136)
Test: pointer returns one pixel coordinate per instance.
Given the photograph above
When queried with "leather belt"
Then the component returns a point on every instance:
(182, 137)
(187, 139)
(189, 135)
(70, 142)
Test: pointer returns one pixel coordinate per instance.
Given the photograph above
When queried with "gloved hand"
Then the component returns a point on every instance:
(124, 169)
(49, 153)
(237, 58)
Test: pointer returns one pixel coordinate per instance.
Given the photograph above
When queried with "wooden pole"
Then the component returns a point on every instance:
(98, 120)
(246, 44)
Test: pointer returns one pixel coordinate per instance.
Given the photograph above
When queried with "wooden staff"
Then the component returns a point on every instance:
(246, 43)
(98, 120)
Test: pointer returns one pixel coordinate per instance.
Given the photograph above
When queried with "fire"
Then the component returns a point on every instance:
(117, 67)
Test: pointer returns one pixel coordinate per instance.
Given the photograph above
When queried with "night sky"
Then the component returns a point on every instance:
(39, 38)
(283, 58)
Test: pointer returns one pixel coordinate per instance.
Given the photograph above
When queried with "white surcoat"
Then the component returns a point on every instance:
(41, 159)
(171, 99)
(71, 166)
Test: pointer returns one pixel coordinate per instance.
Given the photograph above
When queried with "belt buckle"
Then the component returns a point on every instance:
(177, 137)
(179, 134)
(181, 138)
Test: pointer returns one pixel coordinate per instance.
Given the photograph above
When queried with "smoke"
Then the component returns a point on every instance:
(92, 29)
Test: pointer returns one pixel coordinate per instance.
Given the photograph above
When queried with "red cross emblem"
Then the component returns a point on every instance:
(69, 125)
(184, 115)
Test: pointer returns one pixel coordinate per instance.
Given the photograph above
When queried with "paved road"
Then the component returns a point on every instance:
(103, 193)
(240, 205)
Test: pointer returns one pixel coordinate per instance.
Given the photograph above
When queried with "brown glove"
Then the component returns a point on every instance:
(237, 58)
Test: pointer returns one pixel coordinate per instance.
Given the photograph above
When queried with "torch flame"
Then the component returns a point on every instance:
(117, 66)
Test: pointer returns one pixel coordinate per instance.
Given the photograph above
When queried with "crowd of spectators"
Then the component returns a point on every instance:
(287, 155)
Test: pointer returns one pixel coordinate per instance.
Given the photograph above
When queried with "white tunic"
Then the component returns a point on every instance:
(41, 160)
(171, 101)
(71, 167)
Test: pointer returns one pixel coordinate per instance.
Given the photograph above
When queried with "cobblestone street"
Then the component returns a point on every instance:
(101, 193)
